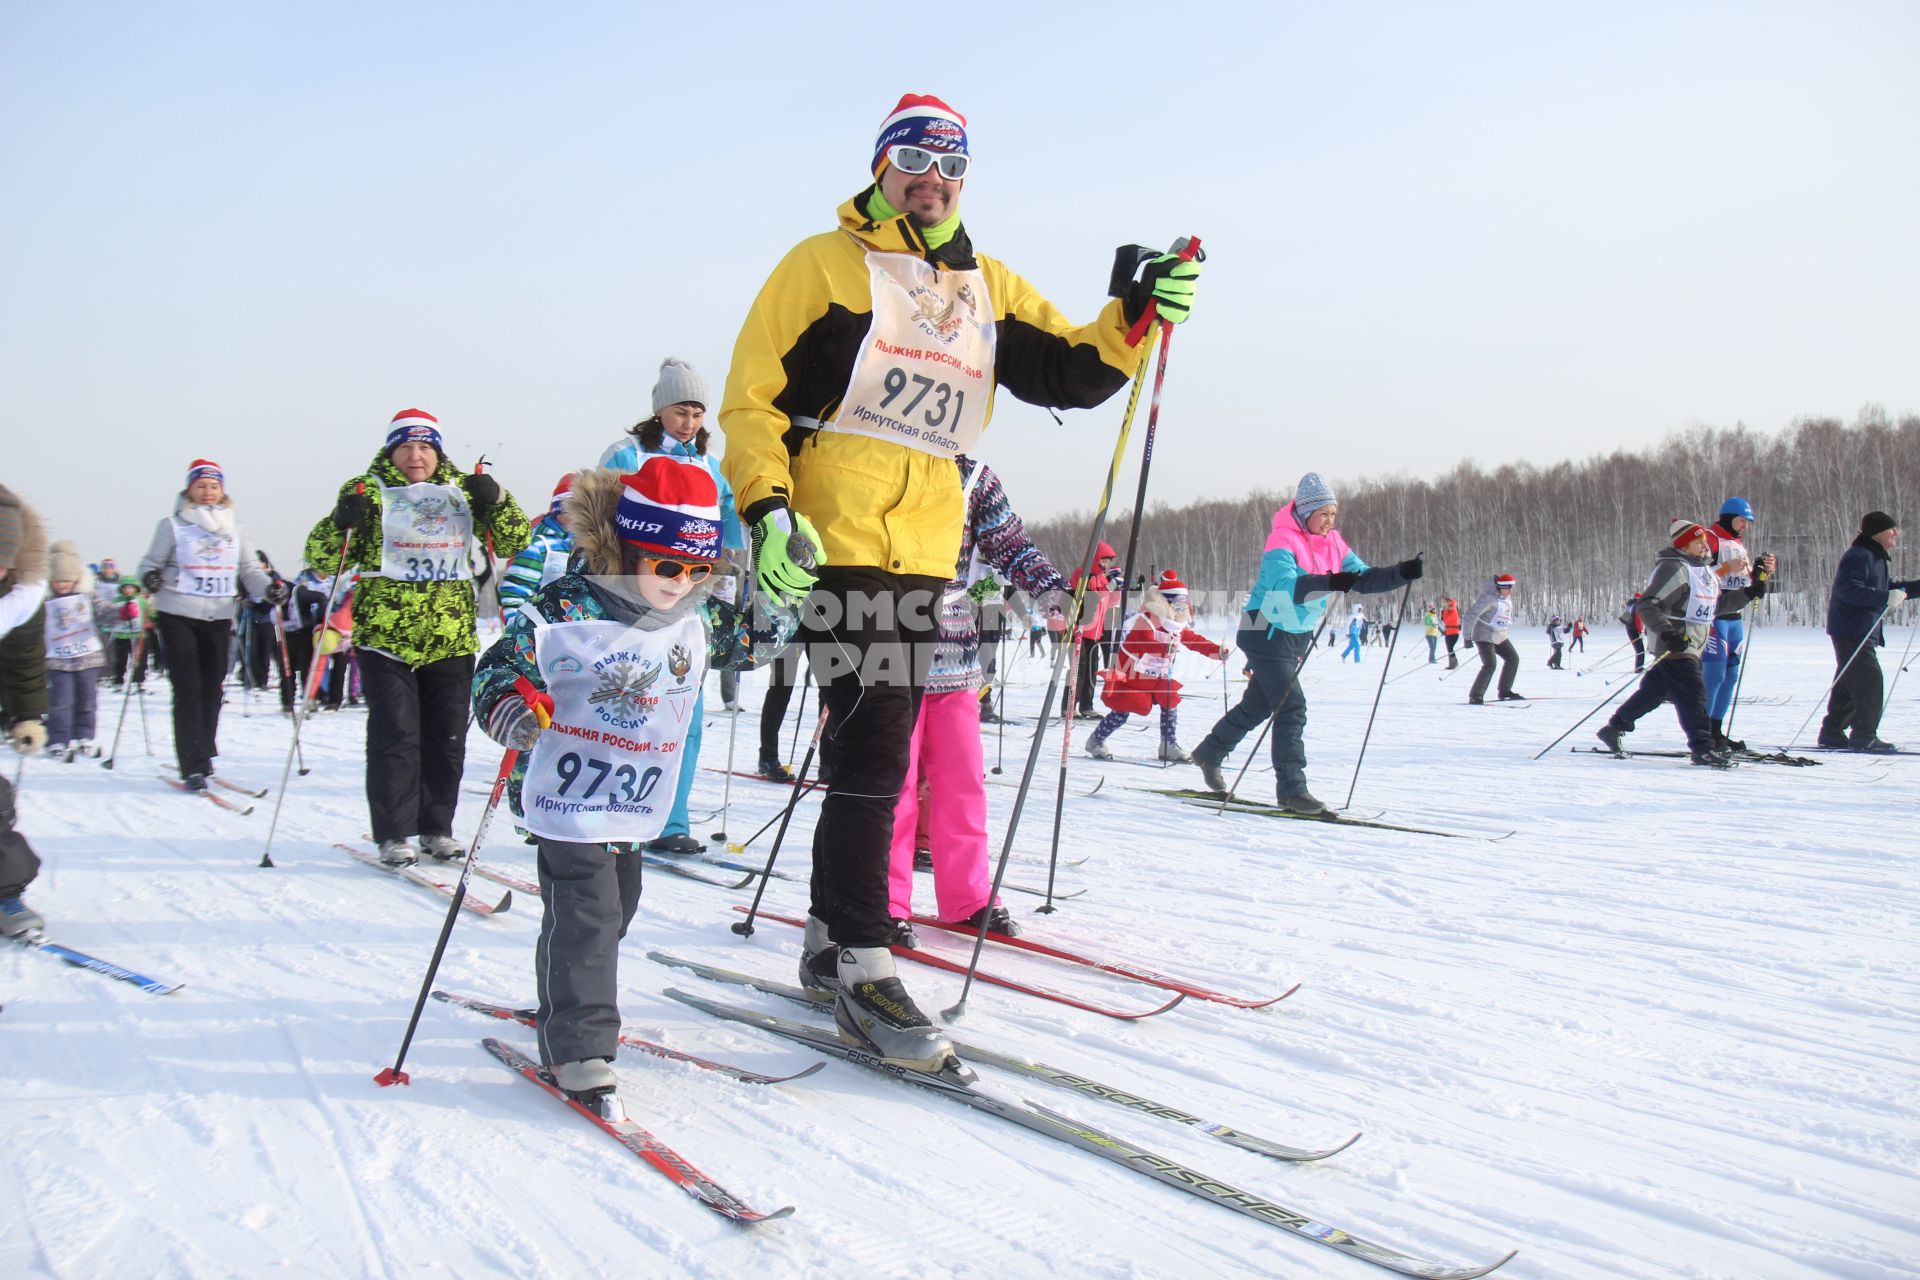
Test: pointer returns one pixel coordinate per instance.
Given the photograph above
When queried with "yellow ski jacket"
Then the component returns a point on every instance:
(874, 502)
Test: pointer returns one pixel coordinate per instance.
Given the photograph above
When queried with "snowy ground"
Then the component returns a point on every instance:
(1666, 1029)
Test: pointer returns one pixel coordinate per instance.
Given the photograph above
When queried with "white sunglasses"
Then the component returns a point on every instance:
(917, 160)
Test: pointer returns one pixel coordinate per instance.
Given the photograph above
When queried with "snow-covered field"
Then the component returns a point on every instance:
(1667, 1029)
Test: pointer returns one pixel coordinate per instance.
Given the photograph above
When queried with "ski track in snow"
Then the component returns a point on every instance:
(1665, 1030)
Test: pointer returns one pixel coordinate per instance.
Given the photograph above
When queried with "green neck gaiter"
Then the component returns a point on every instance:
(880, 209)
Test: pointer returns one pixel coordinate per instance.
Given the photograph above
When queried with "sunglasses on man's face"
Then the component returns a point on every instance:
(663, 568)
(917, 160)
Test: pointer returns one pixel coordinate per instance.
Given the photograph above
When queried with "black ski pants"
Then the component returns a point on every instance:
(18, 862)
(1675, 679)
(588, 896)
(196, 651)
(782, 676)
(416, 742)
(1854, 706)
(1273, 691)
(293, 681)
(1639, 649)
(870, 637)
(1509, 663)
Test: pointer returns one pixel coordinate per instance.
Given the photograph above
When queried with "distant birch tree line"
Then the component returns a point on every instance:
(1580, 536)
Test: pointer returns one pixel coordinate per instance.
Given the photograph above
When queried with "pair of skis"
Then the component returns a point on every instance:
(214, 797)
(1212, 800)
(412, 873)
(1062, 1128)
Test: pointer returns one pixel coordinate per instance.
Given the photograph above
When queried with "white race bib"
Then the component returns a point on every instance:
(1155, 666)
(70, 632)
(1732, 549)
(923, 375)
(1502, 617)
(205, 564)
(425, 530)
(623, 700)
(1703, 600)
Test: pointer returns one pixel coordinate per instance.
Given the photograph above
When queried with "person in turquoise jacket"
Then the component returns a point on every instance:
(678, 429)
(1305, 562)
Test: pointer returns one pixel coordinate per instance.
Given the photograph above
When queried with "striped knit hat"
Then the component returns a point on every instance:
(205, 469)
(670, 507)
(414, 424)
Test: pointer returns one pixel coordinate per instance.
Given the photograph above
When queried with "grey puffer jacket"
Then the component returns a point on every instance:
(217, 520)
(1489, 618)
(1664, 604)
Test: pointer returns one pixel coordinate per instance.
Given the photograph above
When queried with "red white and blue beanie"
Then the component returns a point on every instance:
(670, 507)
(205, 469)
(920, 120)
(1504, 580)
(561, 490)
(1170, 583)
(415, 425)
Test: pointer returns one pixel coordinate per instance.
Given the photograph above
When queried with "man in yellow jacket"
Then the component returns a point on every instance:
(867, 365)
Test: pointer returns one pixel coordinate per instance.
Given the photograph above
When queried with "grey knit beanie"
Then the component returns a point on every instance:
(1311, 494)
(63, 562)
(680, 383)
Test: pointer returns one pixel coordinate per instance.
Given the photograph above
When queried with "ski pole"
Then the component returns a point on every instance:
(1740, 681)
(306, 706)
(726, 795)
(1280, 699)
(126, 696)
(287, 678)
(1060, 791)
(1836, 677)
(745, 927)
(1891, 684)
(1000, 668)
(1611, 655)
(539, 702)
(793, 744)
(1601, 707)
(1378, 690)
(1060, 655)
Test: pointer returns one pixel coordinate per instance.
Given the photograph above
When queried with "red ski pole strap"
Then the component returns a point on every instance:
(539, 699)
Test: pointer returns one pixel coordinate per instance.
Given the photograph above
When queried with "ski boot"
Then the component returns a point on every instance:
(1099, 751)
(874, 1013)
(397, 852)
(1876, 746)
(443, 848)
(773, 771)
(923, 859)
(19, 921)
(1610, 735)
(1170, 753)
(196, 781)
(1511, 696)
(590, 1083)
(999, 921)
(1708, 758)
(1210, 774)
(900, 933)
(1304, 804)
(680, 846)
(1721, 742)
(1834, 741)
(819, 971)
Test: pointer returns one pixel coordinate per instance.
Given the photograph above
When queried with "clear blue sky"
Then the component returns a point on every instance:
(255, 230)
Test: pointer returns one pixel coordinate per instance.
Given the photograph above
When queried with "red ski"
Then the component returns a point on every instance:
(1134, 972)
(1044, 993)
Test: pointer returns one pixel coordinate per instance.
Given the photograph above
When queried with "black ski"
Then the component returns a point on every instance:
(1037, 1070)
(1061, 1128)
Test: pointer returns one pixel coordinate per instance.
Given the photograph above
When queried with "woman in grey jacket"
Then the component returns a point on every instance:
(1486, 623)
(199, 561)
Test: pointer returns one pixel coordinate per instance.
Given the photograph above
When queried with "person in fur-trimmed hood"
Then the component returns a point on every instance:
(198, 563)
(414, 519)
(1142, 675)
(594, 680)
(23, 693)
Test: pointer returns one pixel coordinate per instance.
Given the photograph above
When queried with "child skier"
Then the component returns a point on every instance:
(1142, 677)
(613, 654)
(75, 654)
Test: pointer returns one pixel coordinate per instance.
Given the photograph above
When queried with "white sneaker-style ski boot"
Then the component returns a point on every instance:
(398, 853)
(591, 1083)
(445, 848)
(1170, 753)
(20, 921)
(875, 1013)
(819, 969)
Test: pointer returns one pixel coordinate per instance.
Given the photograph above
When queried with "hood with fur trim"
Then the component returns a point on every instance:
(591, 504)
(23, 540)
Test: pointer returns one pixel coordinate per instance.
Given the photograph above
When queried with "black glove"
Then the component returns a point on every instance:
(351, 511)
(482, 491)
(1342, 581)
(151, 580)
(1415, 568)
(277, 592)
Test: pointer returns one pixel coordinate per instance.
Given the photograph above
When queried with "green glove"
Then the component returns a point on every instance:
(786, 551)
(1167, 281)
(987, 586)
